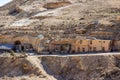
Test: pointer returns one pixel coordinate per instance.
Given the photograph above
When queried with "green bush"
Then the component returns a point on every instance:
(12, 53)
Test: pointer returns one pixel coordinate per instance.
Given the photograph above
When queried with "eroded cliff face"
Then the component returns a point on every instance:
(96, 67)
(83, 67)
(22, 68)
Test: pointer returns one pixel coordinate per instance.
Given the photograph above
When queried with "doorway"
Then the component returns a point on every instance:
(17, 46)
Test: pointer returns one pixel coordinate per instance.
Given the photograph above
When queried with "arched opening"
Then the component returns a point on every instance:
(17, 42)
(17, 46)
(23, 47)
(65, 48)
(26, 47)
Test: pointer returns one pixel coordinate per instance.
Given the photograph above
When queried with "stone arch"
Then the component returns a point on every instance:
(17, 42)
(17, 46)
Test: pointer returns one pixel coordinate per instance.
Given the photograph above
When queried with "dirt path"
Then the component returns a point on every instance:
(34, 60)
(86, 54)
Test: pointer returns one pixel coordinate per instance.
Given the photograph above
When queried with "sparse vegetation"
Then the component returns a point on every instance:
(12, 53)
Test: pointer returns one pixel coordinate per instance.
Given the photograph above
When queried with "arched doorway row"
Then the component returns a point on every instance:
(22, 47)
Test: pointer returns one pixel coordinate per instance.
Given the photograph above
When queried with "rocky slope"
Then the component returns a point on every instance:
(22, 68)
(83, 67)
(102, 67)
(60, 18)
(64, 11)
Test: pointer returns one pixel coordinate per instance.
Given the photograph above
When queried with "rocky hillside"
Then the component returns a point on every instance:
(60, 17)
(22, 68)
(102, 67)
(56, 19)
(63, 11)
(83, 67)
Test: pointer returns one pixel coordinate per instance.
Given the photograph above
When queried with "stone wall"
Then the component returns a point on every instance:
(23, 39)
